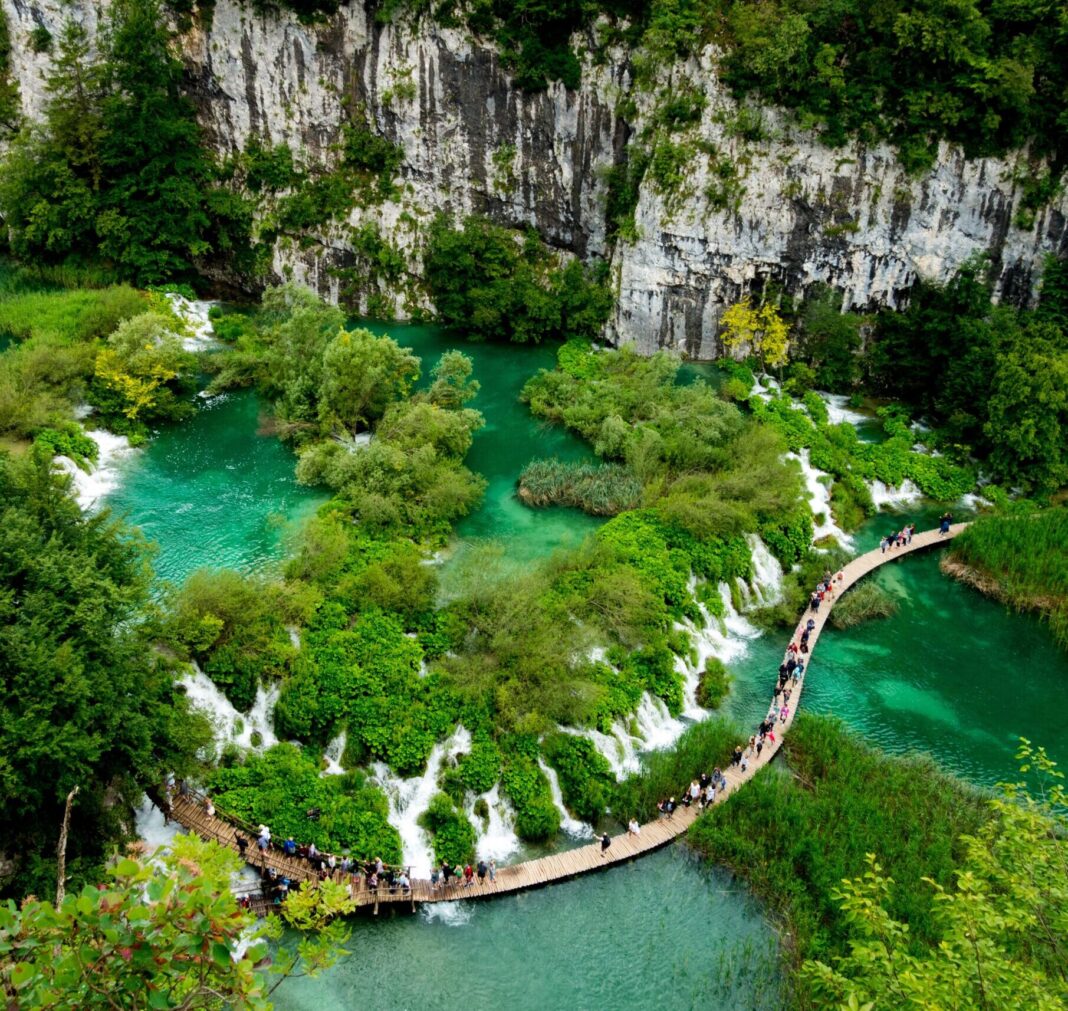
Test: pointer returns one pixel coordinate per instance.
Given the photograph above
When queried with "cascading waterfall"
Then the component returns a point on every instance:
(819, 500)
(332, 754)
(93, 486)
(765, 587)
(151, 829)
(196, 316)
(839, 412)
(497, 839)
(886, 497)
(572, 826)
(409, 798)
(231, 725)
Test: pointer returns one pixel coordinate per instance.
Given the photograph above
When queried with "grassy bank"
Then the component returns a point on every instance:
(1022, 560)
(795, 835)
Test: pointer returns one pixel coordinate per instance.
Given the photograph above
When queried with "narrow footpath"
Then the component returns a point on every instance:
(190, 813)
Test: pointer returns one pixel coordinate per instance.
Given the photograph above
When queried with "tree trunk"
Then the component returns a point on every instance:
(61, 851)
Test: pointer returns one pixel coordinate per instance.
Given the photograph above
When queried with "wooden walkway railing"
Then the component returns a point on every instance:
(561, 866)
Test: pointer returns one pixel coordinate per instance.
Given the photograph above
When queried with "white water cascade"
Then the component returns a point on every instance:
(194, 313)
(148, 820)
(839, 412)
(572, 826)
(886, 497)
(332, 754)
(819, 500)
(92, 486)
(496, 836)
(229, 724)
(765, 587)
(409, 798)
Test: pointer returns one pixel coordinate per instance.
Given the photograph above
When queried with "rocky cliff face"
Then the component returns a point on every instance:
(798, 213)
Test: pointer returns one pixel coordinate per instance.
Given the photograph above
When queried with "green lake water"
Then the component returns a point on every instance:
(953, 674)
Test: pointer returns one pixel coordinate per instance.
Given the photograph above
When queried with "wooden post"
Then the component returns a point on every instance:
(61, 851)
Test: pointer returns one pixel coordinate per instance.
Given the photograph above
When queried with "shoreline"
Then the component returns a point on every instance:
(989, 585)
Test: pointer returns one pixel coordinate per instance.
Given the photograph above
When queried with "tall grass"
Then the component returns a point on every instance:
(600, 489)
(667, 773)
(794, 837)
(862, 603)
(1026, 560)
(73, 315)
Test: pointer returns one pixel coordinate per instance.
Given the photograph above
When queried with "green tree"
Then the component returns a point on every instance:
(362, 375)
(452, 386)
(84, 701)
(759, 331)
(164, 934)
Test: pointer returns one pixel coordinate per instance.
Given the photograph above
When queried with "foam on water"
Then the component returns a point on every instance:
(409, 798)
(449, 914)
(104, 476)
(571, 826)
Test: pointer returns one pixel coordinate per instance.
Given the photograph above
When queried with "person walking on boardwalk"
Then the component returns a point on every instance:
(944, 523)
(606, 841)
(492, 870)
(446, 872)
(633, 827)
(482, 868)
(469, 875)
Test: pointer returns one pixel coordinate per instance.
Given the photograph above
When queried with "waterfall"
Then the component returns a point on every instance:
(767, 573)
(333, 752)
(572, 826)
(497, 839)
(819, 500)
(409, 798)
(206, 696)
(839, 412)
(103, 477)
(886, 497)
(148, 820)
(195, 314)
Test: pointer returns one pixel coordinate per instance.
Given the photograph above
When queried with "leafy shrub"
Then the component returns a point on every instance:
(586, 779)
(862, 603)
(452, 835)
(526, 786)
(714, 684)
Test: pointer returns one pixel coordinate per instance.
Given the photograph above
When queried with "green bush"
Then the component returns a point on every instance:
(586, 779)
(714, 684)
(525, 785)
(452, 835)
(863, 603)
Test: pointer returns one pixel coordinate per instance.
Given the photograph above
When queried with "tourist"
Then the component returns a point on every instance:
(799, 670)
(745, 760)
(289, 847)
(695, 790)
(446, 872)
(435, 877)
(911, 528)
(492, 870)
(784, 713)
(331, 863)
(814, 601)
(469, 875)
(264, 840)
(313, 853)
(379, 866)
(944, 524)
(606, 841)
(704, 779)
(242, 844)
(633, 827)
(372, 882)
(209, 807)
(760, 744)
(482, 868)
(404, 882)
(710, 794)
(883, 545)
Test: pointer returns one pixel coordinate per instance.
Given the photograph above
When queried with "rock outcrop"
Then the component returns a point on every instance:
(797, 213)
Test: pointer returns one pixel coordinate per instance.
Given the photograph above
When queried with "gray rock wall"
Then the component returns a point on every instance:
(473, 143)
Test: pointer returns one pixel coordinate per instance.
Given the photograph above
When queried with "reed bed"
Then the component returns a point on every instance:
(863, 603)
(1023, 560)
(600, 489)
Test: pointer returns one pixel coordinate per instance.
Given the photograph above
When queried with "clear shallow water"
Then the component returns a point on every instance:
(665, 932)
(953, 674)
(212, 492)
(511, 438)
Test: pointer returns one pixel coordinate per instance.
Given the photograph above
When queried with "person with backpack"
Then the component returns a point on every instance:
(482, 868)
(606, 841)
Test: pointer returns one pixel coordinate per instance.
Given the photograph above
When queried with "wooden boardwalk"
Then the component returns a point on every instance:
(190, 813)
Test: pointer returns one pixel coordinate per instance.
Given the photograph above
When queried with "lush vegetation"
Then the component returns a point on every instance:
(1022, 560)
(85, 702)
(452, 834)
(118, 172)
(165, 933)
(495, 285)
(283, 784)
(600, 489)
(842, 801)
(993, 378)
(714, 684)
(707, 468)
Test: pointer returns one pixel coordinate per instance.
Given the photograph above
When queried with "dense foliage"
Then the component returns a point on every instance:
(863, 603)
(1024, 561)
(993, 378)
(494, 285)
(118, 171)
(283, 784)
(165, 933)
(452, 834)
(599, 489)
(842, 801)
(84, 702)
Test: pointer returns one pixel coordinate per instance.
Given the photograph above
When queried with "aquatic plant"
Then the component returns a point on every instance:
(604, 489)
(862, 603)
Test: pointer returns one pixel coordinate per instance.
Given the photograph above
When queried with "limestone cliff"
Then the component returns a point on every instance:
(797, 212)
